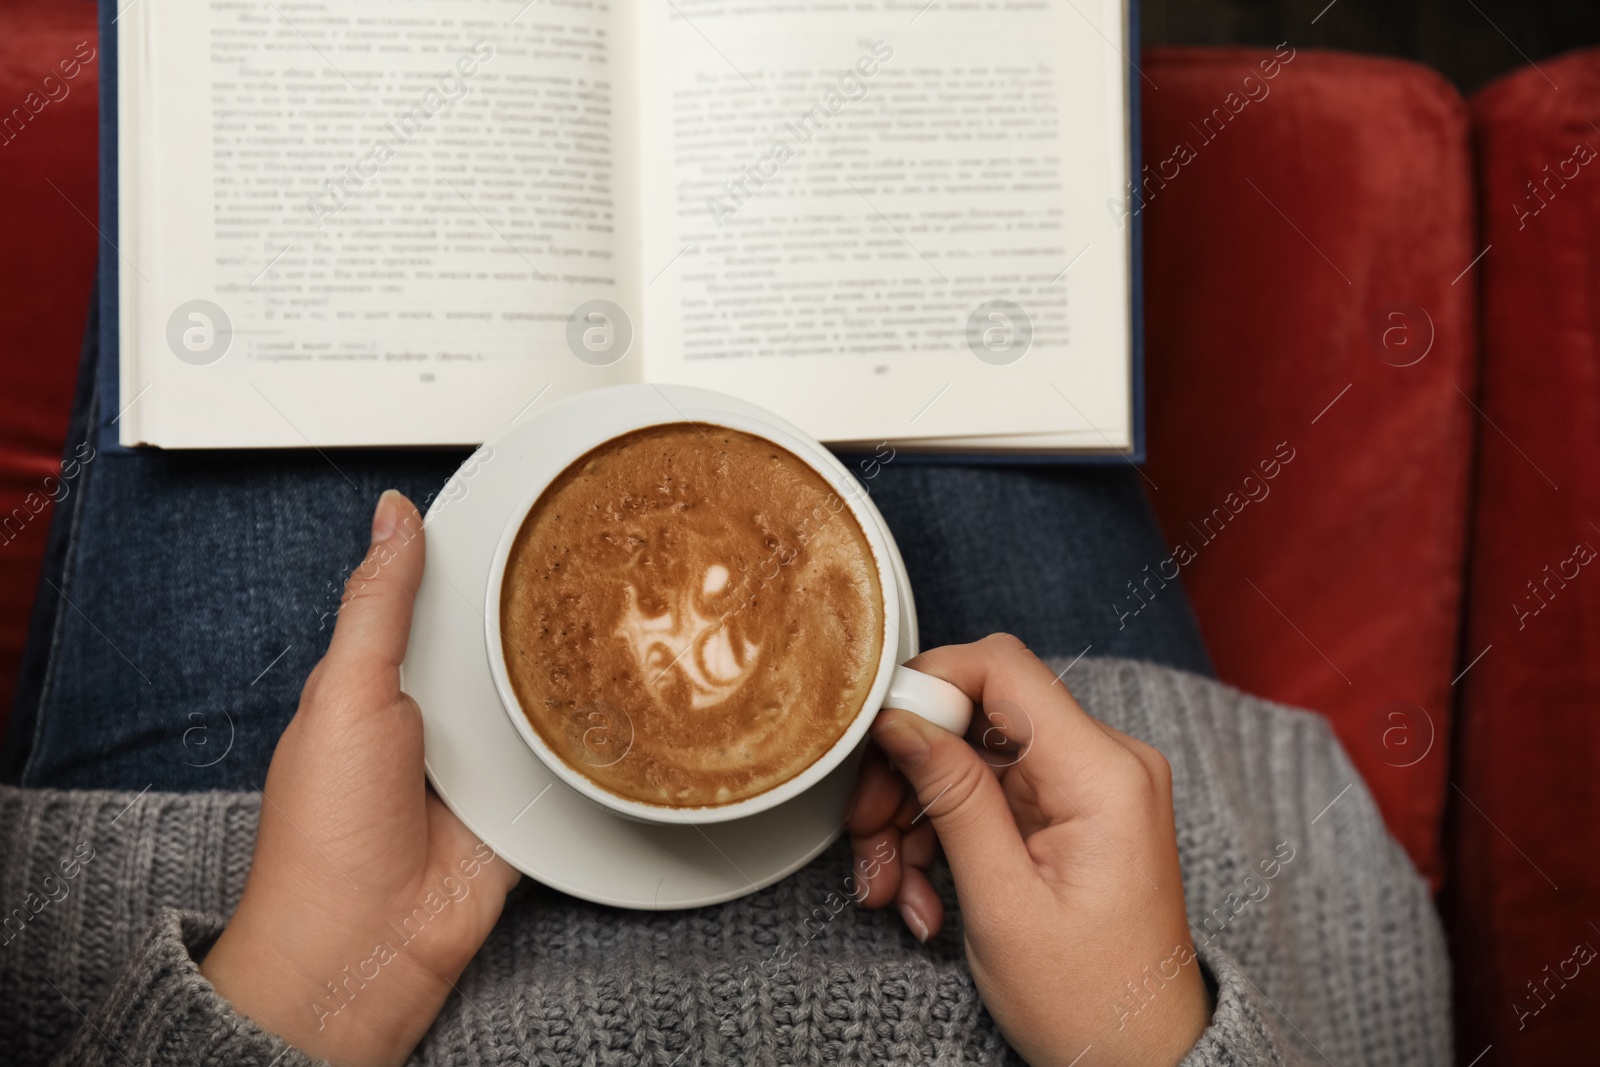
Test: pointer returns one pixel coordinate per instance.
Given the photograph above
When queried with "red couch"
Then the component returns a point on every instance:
(1320, 305)
(49, 184)
(1525, 870)
(1406, 290)
(1298, 270)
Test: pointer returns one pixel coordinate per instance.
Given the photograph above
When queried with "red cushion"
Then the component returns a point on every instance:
(1526, 871)
(1279, 240)
(48, 184)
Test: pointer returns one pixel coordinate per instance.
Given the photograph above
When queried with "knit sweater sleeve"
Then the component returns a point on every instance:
(1242, 1029)
(1317, 935)
(162, 1011)
(1320, 939)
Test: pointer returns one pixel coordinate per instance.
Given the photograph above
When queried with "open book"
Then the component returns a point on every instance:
(412, 222)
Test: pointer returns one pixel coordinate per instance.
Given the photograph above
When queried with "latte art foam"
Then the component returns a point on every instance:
(691, 615)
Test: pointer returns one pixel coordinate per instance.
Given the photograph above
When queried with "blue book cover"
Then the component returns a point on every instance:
(109, 381)
(111, 401)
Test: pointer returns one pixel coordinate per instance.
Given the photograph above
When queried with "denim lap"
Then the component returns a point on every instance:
(194, 591)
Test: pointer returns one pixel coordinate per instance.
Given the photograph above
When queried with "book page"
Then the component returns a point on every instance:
(348, 222)
(890, 219)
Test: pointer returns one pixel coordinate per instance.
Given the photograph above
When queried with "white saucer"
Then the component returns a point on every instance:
(487, 774)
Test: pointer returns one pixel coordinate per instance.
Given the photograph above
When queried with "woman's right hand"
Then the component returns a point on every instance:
(1064, 856)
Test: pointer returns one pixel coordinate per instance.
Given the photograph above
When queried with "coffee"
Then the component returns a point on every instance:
(691, 615)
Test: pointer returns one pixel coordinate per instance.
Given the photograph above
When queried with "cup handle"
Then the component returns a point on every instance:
(932, 698)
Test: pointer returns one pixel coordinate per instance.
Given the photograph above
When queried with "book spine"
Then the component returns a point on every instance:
(108, 384)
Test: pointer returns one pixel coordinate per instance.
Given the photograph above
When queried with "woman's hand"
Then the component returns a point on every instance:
(1065, 861)
(367, 897)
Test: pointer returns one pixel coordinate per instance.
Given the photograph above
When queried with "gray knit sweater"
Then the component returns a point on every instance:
(1336, 958)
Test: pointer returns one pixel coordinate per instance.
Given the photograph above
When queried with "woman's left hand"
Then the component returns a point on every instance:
(367, 897)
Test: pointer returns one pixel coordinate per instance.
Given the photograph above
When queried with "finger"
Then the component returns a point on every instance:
(906, 814)
(919, 847)
(879, 791)
(369, 640)
(1024, 702)
(963, 798)
(876, 869)
(920, 907)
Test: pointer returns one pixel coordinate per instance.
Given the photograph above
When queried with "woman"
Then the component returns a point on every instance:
(196, 869)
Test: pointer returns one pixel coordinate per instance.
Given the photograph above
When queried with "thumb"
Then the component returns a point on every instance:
(369, 639)
(963, 798)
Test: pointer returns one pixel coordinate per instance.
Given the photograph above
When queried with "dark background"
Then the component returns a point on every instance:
(1470, 42)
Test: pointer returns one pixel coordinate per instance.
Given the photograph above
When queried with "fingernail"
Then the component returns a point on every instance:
(914, 923)
(386, 518)
(902, 741)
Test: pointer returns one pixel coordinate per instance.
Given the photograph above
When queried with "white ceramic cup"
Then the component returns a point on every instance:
(893, 686)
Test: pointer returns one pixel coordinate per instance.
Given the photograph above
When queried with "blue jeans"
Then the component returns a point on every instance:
(187, 594)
